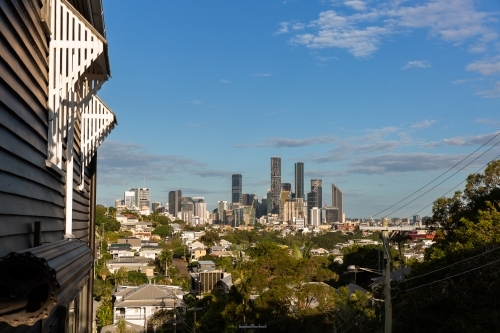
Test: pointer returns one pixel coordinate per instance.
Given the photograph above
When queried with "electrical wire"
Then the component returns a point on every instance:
(440, 269)
(446, 278)
(445, 179)
(397, 203)
(498, 156)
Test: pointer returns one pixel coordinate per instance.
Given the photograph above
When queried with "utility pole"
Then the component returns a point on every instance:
(195, 310)
(387, 277)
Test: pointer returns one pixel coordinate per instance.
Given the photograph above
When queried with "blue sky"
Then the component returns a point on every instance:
(379, 97)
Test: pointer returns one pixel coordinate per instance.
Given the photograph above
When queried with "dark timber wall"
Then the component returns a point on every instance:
(29, 190)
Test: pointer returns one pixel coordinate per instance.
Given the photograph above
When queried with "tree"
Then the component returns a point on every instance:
(161, 318)
(210, 238)
(121, 276)
(458, 280)
(136, 278)
(163, 231)
(104, 313)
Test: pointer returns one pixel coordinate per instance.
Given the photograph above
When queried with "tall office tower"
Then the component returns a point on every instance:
(338, 201)
(315, 197)
(286, 187)
(332, 215)
(237, 186)
(275, 185)
(315, 216)
(262, 211)
(316, 186)
(141, 197)
(249, 198)
(155, 205)
(129, 197)
(299, 180)
(221, 207)
(245, 199)
(200, 209)
(174, 202)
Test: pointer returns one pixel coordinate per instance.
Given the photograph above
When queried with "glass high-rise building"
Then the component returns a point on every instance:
(275, 185)
(299, 180)
(237, 188)
(338, 201)
(174, 202)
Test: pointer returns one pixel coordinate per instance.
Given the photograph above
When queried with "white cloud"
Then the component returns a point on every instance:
(471, 140)
(121, 162)
(283, 28)
(485, 67)
(417, 64)
(355, 4)
(225, 81)
(298, 26)
(263, 75)
(459, 81)
(488, 121)
(361, 33)
(404, 162)
(493, 92)
(291, 143)
(323, 59)
(195, 102)
(423, 124)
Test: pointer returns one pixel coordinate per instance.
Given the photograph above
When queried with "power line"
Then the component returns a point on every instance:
(445, 179)
(438, 176)
(463, 181)
(456, 263)
(449, 277)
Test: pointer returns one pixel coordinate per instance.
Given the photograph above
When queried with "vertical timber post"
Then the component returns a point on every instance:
(387, 278)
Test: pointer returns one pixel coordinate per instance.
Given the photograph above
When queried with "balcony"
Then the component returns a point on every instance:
(131, 316)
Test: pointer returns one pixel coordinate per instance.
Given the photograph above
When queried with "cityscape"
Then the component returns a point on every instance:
(284, 203)
(306, 166)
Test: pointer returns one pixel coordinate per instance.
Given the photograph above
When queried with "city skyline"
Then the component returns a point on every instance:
(379, 98)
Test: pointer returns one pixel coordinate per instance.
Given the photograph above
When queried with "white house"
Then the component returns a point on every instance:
(136, 304)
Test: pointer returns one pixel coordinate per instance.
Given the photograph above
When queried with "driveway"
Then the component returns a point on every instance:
(181, 266)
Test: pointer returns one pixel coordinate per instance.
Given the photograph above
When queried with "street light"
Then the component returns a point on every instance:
(355, 269)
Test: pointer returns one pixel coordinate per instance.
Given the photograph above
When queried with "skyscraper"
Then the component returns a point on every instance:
(299, 180)
(200, 209)
(275, 184)
(317, 186)
(141, 196)
(129, 198)
(338, 201)
(174, 202)
(237, 186)
(315, 197)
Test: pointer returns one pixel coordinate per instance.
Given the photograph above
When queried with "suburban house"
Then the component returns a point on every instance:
(207, 279)
(150, 252)
(138, 264)
(53, 61)
(136, 304)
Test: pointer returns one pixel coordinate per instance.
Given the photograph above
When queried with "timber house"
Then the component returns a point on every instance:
(53, 60)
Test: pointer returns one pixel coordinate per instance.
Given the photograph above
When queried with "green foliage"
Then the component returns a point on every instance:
(210, 238)
(121, 275)
(458, 279)
(102, 290)
(163, 231)
(161, 318)
(264, 249)
(136, 278)
(108, 219)
(104, 313)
